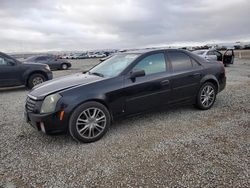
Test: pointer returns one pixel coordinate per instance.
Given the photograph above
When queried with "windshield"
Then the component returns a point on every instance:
(199, 52)
(114, 65)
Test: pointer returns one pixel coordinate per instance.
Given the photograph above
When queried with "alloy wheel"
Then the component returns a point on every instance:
(207, 96)
(91, 123)
(37, 80)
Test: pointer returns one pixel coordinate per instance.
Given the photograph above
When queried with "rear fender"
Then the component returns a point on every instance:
(210, 78)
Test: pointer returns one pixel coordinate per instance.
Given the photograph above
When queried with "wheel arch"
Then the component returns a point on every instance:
(101, 101)
(212, 79)
(28, 75)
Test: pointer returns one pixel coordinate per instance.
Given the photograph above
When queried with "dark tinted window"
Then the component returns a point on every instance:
(195, 63)
(152, 64)
(180, 61)
(2, 61)
(6, 61)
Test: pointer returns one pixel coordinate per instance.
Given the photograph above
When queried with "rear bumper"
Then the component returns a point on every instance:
(222, 83)
(47, 123)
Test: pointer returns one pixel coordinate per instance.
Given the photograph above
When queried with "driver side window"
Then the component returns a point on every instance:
(2, 61)
(152, 64)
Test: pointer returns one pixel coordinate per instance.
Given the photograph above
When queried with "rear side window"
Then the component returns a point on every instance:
(180, 61)
(152, 64)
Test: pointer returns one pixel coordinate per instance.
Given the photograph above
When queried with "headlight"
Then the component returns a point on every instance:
(47, 67)
(49, 103)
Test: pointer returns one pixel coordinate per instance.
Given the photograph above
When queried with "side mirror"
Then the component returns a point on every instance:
(137, 73)
(11, 63)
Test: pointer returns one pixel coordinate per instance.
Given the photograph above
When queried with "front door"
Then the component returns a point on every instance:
(228, 57)
(149, 91)
(10, 74)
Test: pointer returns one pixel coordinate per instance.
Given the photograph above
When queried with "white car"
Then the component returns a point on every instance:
(214, 55)
(209, 54)
(96, 55)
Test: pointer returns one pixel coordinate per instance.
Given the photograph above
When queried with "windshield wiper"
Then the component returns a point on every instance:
(97, 74)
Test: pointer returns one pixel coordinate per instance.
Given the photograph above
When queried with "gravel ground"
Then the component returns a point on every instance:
(180, 147)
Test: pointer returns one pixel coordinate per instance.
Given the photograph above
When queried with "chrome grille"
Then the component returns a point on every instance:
(30, 104)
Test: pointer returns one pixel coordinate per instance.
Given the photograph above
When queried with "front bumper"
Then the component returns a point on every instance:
(50, 75)
(47, 123)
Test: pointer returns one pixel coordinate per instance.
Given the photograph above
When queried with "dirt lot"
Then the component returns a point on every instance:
(181, 147)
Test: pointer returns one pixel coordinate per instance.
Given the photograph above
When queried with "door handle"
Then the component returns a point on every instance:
(196, 75)
(164, 82)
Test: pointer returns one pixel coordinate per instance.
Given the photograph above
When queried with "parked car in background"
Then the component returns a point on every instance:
(16, 73)
(68, 56)
(214, 55)
(96, 55)
(85, 104)
(80, 56)
(53, 62)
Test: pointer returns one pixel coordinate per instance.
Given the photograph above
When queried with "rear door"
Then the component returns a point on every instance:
(186, 74)
(228, 57)
(151, 90)
(10, 72)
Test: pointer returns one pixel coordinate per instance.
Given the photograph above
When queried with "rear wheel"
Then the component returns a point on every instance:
(89, 122)
(64, 66)
(206, 96)
(35, 79)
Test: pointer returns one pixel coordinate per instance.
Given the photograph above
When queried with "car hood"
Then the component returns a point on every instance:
(42, 90)
(33, 64)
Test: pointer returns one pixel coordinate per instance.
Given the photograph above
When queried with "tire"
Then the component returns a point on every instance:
(88, 129)
(35, 79)
(64, 66)
(206, 96)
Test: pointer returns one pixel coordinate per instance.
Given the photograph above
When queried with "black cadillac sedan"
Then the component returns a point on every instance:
(85, 104)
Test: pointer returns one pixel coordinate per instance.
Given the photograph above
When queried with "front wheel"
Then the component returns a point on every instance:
(206, 96)
(89, 122)
(35, 79)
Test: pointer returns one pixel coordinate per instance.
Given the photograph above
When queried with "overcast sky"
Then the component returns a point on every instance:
(44, 25)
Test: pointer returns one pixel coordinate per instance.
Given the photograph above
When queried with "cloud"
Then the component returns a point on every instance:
(33, 25)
